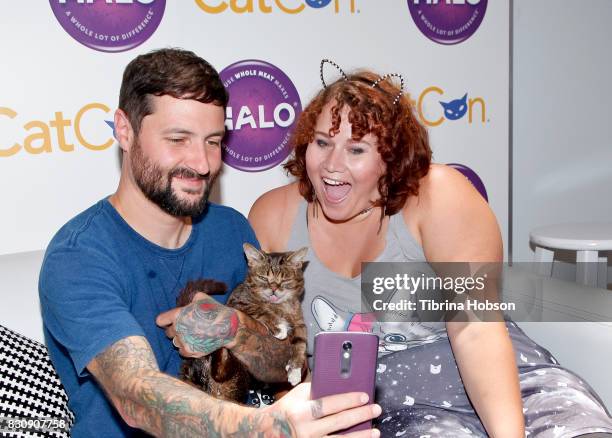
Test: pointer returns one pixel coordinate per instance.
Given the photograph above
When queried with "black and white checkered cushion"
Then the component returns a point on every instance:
(29, 386)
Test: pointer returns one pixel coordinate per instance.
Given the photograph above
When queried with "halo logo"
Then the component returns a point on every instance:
(268, 6)
(109, 25)
(447, 21)
(262, 109)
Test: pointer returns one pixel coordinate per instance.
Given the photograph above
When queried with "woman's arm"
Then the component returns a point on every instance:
(457, 225)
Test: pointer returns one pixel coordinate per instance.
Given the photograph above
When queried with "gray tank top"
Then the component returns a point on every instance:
(333, 302)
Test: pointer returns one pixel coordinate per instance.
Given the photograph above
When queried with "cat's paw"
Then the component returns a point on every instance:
(283, 329)
(294, 374)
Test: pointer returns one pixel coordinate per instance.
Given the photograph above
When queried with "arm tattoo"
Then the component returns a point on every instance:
(281, 428)
(206, 325)
(164, 406)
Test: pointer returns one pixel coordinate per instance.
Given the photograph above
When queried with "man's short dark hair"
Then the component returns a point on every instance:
(174, 72)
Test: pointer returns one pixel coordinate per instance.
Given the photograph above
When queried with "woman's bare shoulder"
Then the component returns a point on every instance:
(453, 219)
(272, 215)
(440, 183)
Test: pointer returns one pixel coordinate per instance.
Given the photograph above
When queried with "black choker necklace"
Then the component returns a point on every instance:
(316, 215)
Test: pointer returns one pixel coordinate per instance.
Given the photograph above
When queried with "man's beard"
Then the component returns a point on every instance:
(150, 179)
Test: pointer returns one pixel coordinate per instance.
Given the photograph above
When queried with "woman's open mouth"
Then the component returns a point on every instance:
(335, 190)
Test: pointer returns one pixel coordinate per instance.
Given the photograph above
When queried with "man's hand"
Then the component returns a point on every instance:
(206, 325)
(322, 417)
(201, 327)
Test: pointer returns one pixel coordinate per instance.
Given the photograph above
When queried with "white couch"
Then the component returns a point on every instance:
(583, 347)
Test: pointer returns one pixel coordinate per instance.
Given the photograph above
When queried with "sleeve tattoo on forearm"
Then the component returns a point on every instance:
(165, 406)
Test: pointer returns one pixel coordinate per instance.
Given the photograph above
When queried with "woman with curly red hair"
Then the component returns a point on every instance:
(401, 140)
(367, 190)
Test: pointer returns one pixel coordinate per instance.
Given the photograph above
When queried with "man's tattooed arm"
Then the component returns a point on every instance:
(161, 405)
(207, 325)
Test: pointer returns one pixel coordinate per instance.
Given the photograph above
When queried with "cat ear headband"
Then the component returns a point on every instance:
(374, 84)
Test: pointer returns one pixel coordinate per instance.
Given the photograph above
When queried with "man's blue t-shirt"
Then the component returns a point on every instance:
(101, 281)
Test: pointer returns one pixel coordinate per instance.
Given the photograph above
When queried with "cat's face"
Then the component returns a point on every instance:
(275, 277)
(455, 109)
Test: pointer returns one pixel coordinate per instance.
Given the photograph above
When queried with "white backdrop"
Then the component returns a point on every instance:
(47, 77)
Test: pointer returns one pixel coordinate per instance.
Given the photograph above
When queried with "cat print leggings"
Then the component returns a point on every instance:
(422, 395)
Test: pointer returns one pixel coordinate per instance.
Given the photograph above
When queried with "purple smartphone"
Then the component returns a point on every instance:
(344, 362)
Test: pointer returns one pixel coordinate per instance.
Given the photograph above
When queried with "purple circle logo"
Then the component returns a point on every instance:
(471, 177)
(114, 26)
(447, 21)
(262, 109)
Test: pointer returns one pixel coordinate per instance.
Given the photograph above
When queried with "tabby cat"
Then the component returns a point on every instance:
(271, 294)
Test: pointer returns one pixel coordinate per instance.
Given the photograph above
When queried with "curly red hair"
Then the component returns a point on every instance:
(403, 142)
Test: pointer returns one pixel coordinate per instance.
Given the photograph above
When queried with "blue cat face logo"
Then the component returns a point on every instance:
(455, 109)
(317, 3)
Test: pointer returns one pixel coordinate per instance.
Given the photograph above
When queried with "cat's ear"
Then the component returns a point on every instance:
(445, 105)
(253, 255)
(297, 257)
(464, 98)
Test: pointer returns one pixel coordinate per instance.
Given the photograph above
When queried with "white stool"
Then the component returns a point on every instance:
(587, 239)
